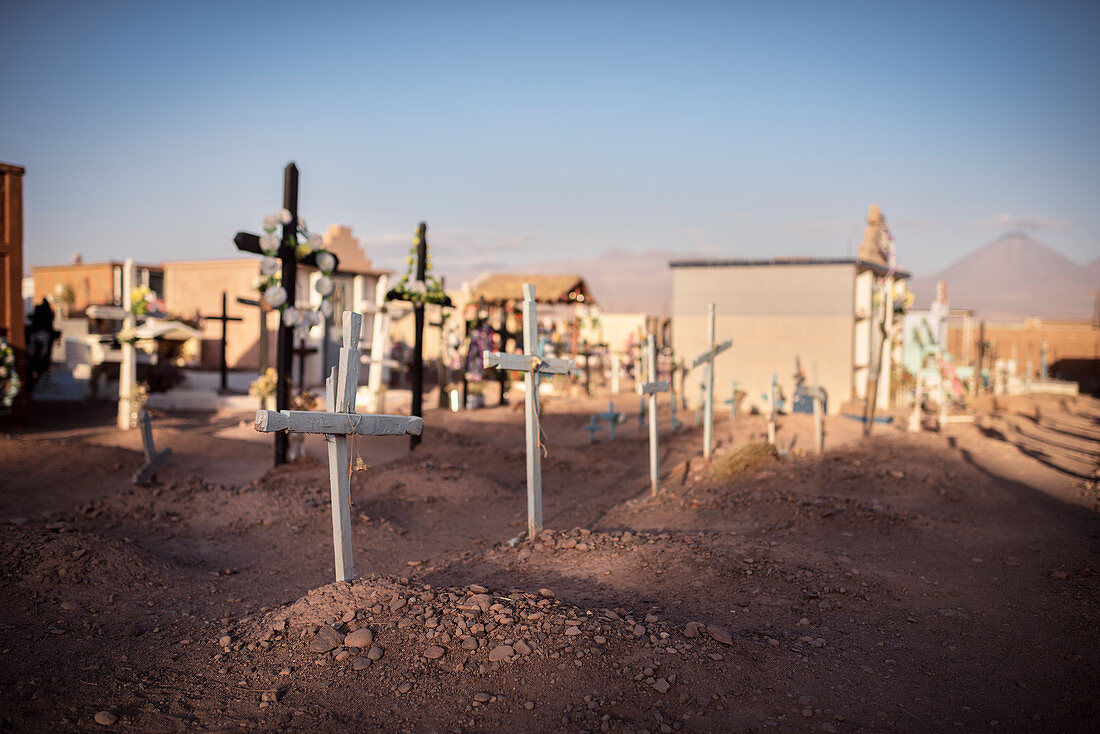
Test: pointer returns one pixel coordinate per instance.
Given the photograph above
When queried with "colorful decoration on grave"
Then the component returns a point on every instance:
(270, 285)
(429, 290)
(9, 376)
(141, 300)
(264, 385)
(126, 335)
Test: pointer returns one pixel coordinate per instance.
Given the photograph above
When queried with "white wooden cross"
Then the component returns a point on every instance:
(127, 369)
(707, 358)
(338, 422)
(818, 394)
(650, 389)
(771, 415)
(532, 364)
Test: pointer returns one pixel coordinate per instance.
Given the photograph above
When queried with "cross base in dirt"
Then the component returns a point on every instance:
(337, 423)
(648, 391)
(154, 459)
(532, 364)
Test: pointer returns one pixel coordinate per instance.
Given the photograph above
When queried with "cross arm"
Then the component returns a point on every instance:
(361, 424)
(526, 363)
(710, 354)
(652, 388)
(248, 242)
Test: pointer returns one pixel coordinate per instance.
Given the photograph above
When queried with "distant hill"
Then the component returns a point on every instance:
(1015, 277)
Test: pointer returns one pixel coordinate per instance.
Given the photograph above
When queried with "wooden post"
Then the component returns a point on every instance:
(284, 340)
(418, 339)
(127, 371)
(708, 409)
(340, 389)
(648, 390)
(771, 415)
(531, 414)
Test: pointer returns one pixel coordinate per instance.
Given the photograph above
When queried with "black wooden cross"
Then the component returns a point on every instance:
(302, 351)
(225, 318)
(247, 242)
(418, 321)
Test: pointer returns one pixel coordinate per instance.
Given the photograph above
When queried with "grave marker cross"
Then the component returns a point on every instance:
(612, 419)
(707, 358)
(225, 318)
(247, 242)
(338, 422)
(650, 389)
(532, 364)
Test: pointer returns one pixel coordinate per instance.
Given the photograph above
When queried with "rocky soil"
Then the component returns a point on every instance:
(942, 581)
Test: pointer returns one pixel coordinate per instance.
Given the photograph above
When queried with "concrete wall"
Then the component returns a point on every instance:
(197, 285)
(774, 313)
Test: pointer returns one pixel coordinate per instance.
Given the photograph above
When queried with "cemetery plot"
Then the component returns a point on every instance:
(750, 593)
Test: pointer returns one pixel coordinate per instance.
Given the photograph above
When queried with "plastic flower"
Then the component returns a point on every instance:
(418, 287)
(316, 242)
(326, 309)
(324, 286)
(302, 249)
(325, 260)
(284, 216)
(270, 266)
(291, 316)
(271, 221)
(260, 283)
(312, 318)
(275, 296)
(301, 222)
(269, 243)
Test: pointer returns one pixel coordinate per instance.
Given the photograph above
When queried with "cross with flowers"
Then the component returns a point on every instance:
(278, 280)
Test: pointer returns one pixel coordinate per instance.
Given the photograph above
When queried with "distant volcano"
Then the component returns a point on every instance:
(1015, 277)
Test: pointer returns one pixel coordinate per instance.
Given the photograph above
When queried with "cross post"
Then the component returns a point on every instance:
(225, 318)
(648, 390)
(532, 364)
(338, 422)
(771, 415)
(127, 375)
(819, 414)
(707, 386)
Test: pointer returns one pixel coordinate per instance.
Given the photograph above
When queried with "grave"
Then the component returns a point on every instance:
(707, 360)
(593, 427)
(337, 423)
(154, 459)
(532, 364)
(224, 318)
(648, 390)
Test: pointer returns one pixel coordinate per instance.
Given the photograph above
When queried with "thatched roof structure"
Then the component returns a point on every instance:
(502, 288)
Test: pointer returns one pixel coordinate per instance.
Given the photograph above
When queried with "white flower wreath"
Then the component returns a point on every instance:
(270, 281)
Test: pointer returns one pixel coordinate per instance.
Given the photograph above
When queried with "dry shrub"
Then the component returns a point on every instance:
(749, 456)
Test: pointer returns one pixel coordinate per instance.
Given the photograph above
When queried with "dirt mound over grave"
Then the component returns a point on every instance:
(470, 656)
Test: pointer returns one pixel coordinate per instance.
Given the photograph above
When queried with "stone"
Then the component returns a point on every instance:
(529, 705)
(434, 652)
(482, 697)
(719, 635)
(375, 653)
(361, 663)
(546, 593)
(501, 652)
(522, 648)
(342, 656)
(638, 630)
(405, 687)
(628, 537)
(478, 589)
(269, 696)
(106, 718)
(326, 639)
(469, 643)
(361, 638)
(478, 602)
(661, 685)
(225, 641)
(600, 640)
(70, 606)
(691, 629)
(573, 631)
(952, 614)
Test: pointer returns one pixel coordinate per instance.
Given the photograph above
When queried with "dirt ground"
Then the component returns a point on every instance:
(941, 581)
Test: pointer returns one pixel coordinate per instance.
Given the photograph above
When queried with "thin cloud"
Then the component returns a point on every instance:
(1033, 223)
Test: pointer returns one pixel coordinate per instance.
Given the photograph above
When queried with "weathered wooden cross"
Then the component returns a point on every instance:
(532, 364)
(649, 390)
(707, 358)
(771, 415)
(127, 368)
(732, 400)
(154, 459)
(225, 318)
(593, 428)
(818, 394)
(338, 422)
(287, 254)
(612, 419)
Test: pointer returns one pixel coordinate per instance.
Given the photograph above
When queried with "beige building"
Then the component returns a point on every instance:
(776, 311)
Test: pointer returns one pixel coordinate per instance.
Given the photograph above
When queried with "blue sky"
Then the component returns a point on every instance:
(529, 132)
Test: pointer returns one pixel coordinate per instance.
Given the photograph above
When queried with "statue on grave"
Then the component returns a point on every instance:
(877, 242)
